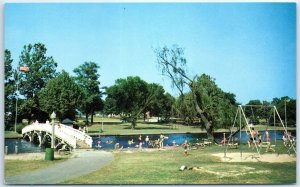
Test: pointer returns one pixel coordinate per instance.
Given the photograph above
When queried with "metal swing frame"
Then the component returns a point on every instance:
(240, 114)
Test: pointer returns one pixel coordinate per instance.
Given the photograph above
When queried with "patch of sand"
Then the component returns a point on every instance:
(254, 157)
(230, 171)
(29, 156)
(132, 150)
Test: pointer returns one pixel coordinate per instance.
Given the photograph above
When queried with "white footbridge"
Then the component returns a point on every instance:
(64, 135)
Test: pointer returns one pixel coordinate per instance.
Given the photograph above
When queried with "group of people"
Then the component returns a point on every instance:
(159, 143)
(99, 143)
(252, 139)
(288, 139)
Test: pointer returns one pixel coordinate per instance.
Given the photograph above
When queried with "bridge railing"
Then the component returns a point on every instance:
(79, 135)
(66, 133)
(48, 128)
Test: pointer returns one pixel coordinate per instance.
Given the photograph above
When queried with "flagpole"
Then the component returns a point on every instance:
(16, 117)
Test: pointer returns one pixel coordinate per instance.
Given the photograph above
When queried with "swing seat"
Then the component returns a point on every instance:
(207, 143)
(266, 144)
(233, 145)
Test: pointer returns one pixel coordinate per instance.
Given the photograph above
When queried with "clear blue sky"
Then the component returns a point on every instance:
(250, 49)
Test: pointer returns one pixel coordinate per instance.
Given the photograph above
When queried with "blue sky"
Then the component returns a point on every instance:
(249, 48)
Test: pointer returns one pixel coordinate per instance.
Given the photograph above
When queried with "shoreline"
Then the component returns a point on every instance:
(145, 133)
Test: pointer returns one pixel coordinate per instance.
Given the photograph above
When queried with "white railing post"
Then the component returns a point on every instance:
(66, 133)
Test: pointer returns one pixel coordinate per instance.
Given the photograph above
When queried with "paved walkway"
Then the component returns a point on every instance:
(83, 162)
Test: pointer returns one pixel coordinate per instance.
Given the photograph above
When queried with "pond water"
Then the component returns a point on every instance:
(23, 146)
(179, 138)
(29, 147)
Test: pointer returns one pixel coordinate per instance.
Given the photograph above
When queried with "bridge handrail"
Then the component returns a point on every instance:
(82, 136)
(48, 128)
(66, 133)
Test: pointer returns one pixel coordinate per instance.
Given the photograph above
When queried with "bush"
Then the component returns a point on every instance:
(25, 122)
(19, 128)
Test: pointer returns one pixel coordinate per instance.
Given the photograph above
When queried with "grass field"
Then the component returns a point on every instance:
(141, 128)
(12, 134)
(16, 167)
(162, 167)
(112, 126)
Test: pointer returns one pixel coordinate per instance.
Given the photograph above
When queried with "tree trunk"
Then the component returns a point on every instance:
(92, 117)
(133, 123)
(86, 118)
(207, 124)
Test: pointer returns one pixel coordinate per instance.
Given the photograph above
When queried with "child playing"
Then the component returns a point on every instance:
(185, 145)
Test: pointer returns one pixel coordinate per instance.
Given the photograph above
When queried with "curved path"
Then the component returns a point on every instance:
(83, 162)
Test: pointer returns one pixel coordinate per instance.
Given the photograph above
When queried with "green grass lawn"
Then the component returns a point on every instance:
(12, 134)
(162, 167)
(17, 167)
(156, 128)
(114, 126)
(141, 128)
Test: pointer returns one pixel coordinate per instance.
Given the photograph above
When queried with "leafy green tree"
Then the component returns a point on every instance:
(288, 104)
(253, 112)
(41, 70)
(130, 97)
(161, 103)
(266, 111)
(61, 95)
(220, 106)
(173, 65)
(166, 106)
(186, 109)
(9, 87)
(87, 77)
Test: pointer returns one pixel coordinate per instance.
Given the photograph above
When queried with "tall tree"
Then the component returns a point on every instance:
(9, 87)
(219, 106)
(130, 97)
(41, 69)
(186, 109)
(286, 107)
(253, 112)
(161, 104)
(167, 101)
(87, 77)
(173, 65)
(61, 95)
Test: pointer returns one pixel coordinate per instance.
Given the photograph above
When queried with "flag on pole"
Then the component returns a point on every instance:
(24, 68)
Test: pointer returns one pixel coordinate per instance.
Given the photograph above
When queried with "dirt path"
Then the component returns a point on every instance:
(83, 162)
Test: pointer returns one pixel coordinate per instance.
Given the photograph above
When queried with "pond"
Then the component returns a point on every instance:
(178, 138)
(23, 146)
(108, 142)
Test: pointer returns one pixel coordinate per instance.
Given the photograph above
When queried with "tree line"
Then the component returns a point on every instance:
(41, 90)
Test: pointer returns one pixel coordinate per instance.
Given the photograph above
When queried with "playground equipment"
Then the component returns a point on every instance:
(243, 123)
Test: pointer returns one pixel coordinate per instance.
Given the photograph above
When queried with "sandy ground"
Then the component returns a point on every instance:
(230, 157)
(252, 157)
(29, 156)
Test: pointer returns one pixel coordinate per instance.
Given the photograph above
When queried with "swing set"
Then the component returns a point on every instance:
(242, 122)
